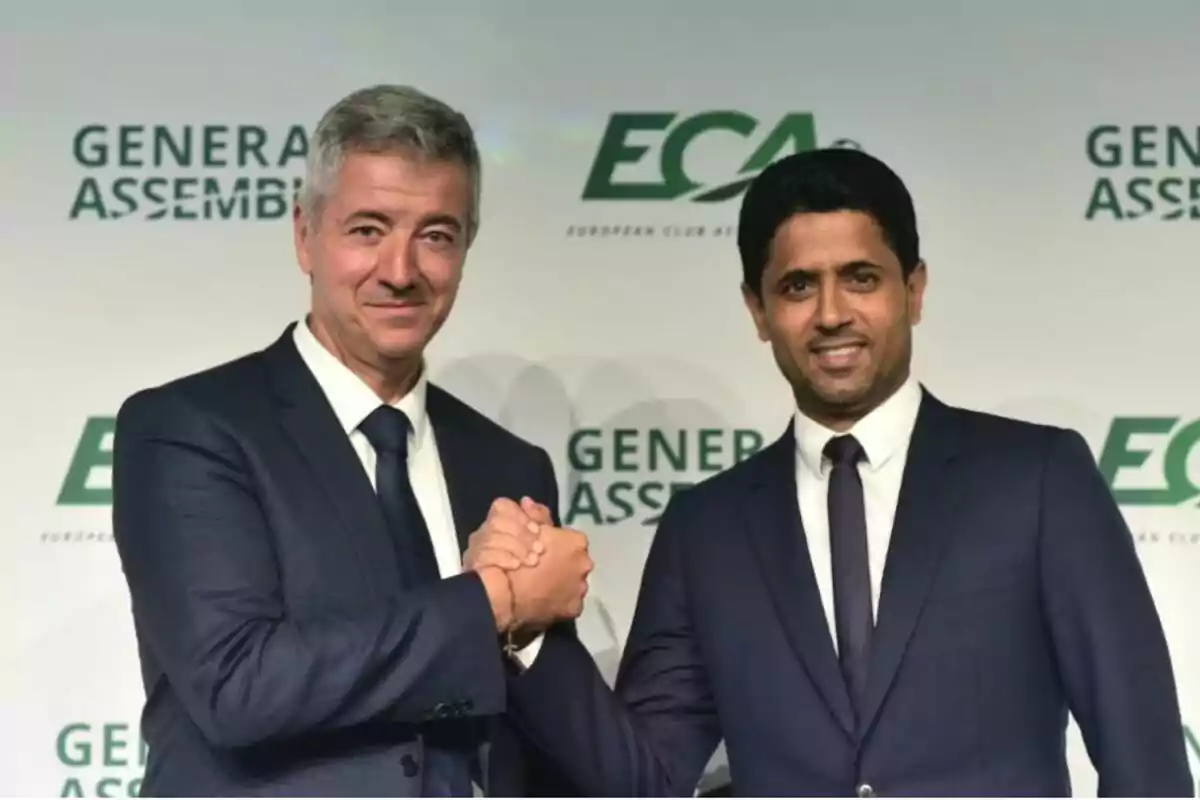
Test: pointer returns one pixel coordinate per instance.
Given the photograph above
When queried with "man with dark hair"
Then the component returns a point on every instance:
(897, 597)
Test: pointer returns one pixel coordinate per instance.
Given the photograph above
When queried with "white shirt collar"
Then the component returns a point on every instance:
(350, 397)
(882, 433)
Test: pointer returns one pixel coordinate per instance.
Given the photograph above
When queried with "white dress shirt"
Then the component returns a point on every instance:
(884, 435)
(352, 401)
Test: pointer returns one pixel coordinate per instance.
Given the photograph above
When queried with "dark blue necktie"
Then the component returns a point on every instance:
(851, 570)
(447, 768)
(387, 430)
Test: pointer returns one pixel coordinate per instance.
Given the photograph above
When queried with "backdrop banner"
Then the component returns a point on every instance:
(1053, 151)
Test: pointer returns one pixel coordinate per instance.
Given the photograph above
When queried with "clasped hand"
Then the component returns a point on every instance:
(547, 566)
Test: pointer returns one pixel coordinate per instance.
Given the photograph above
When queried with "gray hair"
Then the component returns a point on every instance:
(386, 119)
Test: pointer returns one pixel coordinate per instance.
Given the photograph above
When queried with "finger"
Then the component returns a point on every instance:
(513, 538)
(536, 511)
(504, 508)
(563, 539)
(507, 508)
(507, 526)
(501, 505)
(508, 530)
(540, 518)
(496, 557)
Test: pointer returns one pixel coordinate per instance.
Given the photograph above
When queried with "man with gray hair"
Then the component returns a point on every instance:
(311, 534)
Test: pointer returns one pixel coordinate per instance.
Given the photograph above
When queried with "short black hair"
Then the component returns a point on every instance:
(822, 180)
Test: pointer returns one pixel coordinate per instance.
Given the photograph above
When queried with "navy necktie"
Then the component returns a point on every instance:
(851, 571)
(447, 769)
(387, 430)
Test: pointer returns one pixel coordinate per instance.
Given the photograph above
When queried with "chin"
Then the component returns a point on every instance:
(398, 347)
(842, 395)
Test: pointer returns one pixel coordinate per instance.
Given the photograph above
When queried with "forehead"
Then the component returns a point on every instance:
(398, 184)
(826, 240)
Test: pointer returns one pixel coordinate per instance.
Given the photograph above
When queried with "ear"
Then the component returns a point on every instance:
(302, 230)
(917, 280)
(758, 312)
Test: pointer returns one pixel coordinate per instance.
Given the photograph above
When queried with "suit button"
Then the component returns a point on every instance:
(410, 766)
(865, 790)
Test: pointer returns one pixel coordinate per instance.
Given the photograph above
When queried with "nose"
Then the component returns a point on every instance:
(398, 266)
(832, 310)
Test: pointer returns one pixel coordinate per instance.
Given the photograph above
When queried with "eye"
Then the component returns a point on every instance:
(366, 231)
(796, 284)
(440, 237)
(864, 280)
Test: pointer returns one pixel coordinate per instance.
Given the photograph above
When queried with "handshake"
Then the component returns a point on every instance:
(535, 574)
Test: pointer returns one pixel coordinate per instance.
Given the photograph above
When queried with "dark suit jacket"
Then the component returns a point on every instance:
(281, 652)
(1012, 594)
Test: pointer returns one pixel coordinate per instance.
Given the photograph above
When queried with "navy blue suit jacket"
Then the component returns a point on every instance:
(281, 652)
(1012, 593)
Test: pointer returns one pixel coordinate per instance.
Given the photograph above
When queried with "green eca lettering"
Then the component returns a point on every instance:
(1172, 150)
(185, 147)
(105, 787)
(1144, 147)
(1142, 196)
(1120, 453)
(648, 452)
(111, 746)
(796, 132)
(164, 193)
(94, 452)
(187, 198)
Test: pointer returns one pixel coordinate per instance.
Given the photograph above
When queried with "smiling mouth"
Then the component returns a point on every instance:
(839, 356)
(396, 306)
(838, 348)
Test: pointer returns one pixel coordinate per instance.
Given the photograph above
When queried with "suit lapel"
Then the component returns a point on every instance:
(463, 464)
(778, 537)
(923, 522)
(310, 422)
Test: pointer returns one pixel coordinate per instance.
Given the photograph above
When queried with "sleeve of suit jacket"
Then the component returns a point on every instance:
(653, 736)
(198, 557)
(543, 775)
(1111, 649)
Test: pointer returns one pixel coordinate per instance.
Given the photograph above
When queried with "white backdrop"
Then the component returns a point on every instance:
(599, 328)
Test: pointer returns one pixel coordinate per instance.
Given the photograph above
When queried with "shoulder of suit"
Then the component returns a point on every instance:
(457, 412)
(226, 389)
(1007, 437)
(989, 423)
(734, 480)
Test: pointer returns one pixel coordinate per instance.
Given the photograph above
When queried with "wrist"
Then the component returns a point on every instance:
(500, 595)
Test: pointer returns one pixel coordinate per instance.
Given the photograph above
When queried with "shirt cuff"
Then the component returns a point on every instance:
(529, 652)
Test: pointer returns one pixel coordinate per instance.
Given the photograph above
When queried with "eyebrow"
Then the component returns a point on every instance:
(378, 216)
(443, 219)
(841, 269)
(367, 214)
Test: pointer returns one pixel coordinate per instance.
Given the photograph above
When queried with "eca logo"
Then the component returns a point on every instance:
(671, 135)
(1170, 440)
